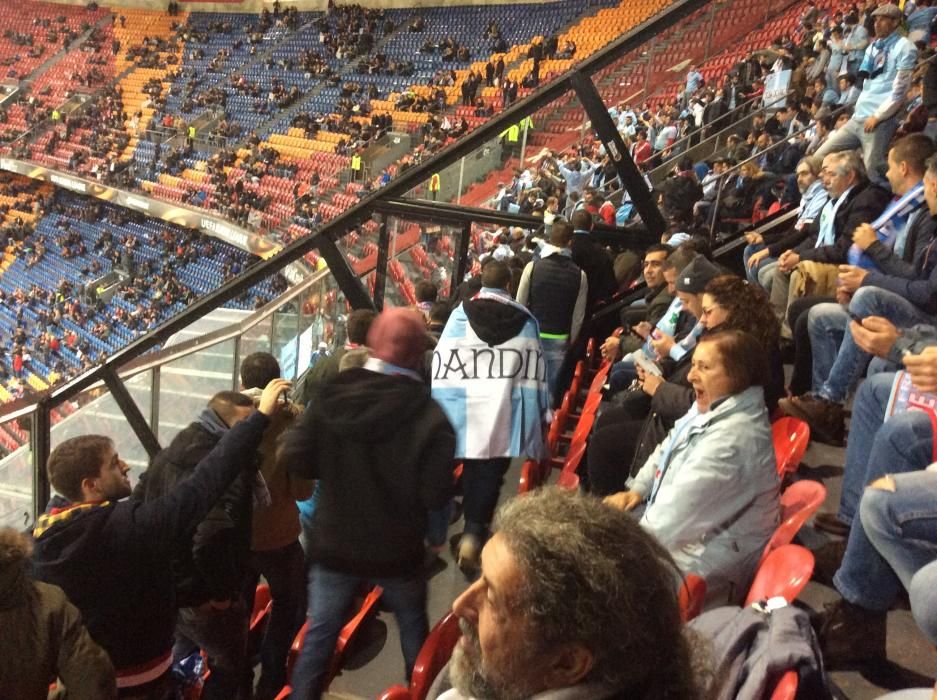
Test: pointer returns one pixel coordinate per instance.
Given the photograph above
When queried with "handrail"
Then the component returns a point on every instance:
(668, 163)
(754, 156)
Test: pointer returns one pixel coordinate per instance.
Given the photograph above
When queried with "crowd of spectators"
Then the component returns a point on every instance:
(842, 282)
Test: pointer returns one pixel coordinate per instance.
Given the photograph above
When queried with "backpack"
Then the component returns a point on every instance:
(752, 647)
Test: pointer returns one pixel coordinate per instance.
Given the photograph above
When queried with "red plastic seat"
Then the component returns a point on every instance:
(568, 480)
(344, 637)
(798, 502)
(692, 595)
(434, 655)
(260, 616)
(791, 437)
(284, 694)
(786, 689)
(530, 476)
(783, 573)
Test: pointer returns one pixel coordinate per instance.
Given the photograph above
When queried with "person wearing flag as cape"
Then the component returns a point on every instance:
(489, 376)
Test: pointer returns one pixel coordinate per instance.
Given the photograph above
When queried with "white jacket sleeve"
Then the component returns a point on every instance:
(704, 492)
(523, 287)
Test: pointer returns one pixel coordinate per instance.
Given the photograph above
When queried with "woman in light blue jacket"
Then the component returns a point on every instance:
(710, 489)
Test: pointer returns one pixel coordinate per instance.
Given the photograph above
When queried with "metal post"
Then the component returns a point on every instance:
(154, 400)
(461, 262)
(628, 173)
(523, 143)
(235, 374)
(458, 196)
(40, 444)
(380, 271)
(355, 293)
(131, 411)
(709, 34)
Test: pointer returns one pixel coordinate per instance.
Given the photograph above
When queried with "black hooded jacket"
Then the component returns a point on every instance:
(382, 450)
(113, 559)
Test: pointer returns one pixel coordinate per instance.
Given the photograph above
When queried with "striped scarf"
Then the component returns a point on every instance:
(891, 226)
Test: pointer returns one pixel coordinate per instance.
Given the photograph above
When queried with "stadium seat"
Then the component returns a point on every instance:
(783, 573)
(798, 502)
(791, 437)
(691, 596)
(786, 689)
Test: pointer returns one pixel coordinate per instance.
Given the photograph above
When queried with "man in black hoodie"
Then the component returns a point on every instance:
(382, 450)
(112, 557)
(210, 561)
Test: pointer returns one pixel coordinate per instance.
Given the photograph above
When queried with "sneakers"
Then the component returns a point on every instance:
(469, 558)
(829, 523)
(827, 420)
(849, 634)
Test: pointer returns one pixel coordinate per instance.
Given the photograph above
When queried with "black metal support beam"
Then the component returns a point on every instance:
(131, 411)
(40, 444)
(355, 293)
(380, 271)
(628, 173)
(445, 213)
(461, 261)
(360, 212)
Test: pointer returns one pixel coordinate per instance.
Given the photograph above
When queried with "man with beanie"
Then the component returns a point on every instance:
(112, 557)
(275, 550)
(490, 377)
(382, 451)
(554, 288)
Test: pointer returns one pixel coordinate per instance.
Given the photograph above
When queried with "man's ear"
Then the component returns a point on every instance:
(568, 666)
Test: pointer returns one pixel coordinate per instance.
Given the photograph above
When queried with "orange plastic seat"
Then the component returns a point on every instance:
(791, 437)
(284, 694)
(782, 573)
(691, 597)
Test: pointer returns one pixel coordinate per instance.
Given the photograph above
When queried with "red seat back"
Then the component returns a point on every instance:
(692, 595)
(434, 655)
(786, 689)
(568, 480)
(798, 502)
(783, 573)
(791, 437)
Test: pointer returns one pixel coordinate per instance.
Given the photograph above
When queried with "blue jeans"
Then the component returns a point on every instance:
(826, 324)
(481, 486)
(285, 572)
(902, 444)
(437, 525)
(754, 273)
(554, 352)
(330, 596)
(850, 360)
(894, 544)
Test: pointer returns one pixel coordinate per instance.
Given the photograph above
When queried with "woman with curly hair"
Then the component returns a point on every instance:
(624, 437)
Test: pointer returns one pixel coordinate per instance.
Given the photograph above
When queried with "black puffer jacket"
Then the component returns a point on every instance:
(210, 560)
(382, 450)
(112, 559)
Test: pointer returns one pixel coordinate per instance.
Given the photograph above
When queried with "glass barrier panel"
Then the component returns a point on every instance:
(94, 412)
(186, 385)
(257, 338)
(16, 474)
(419, 251)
